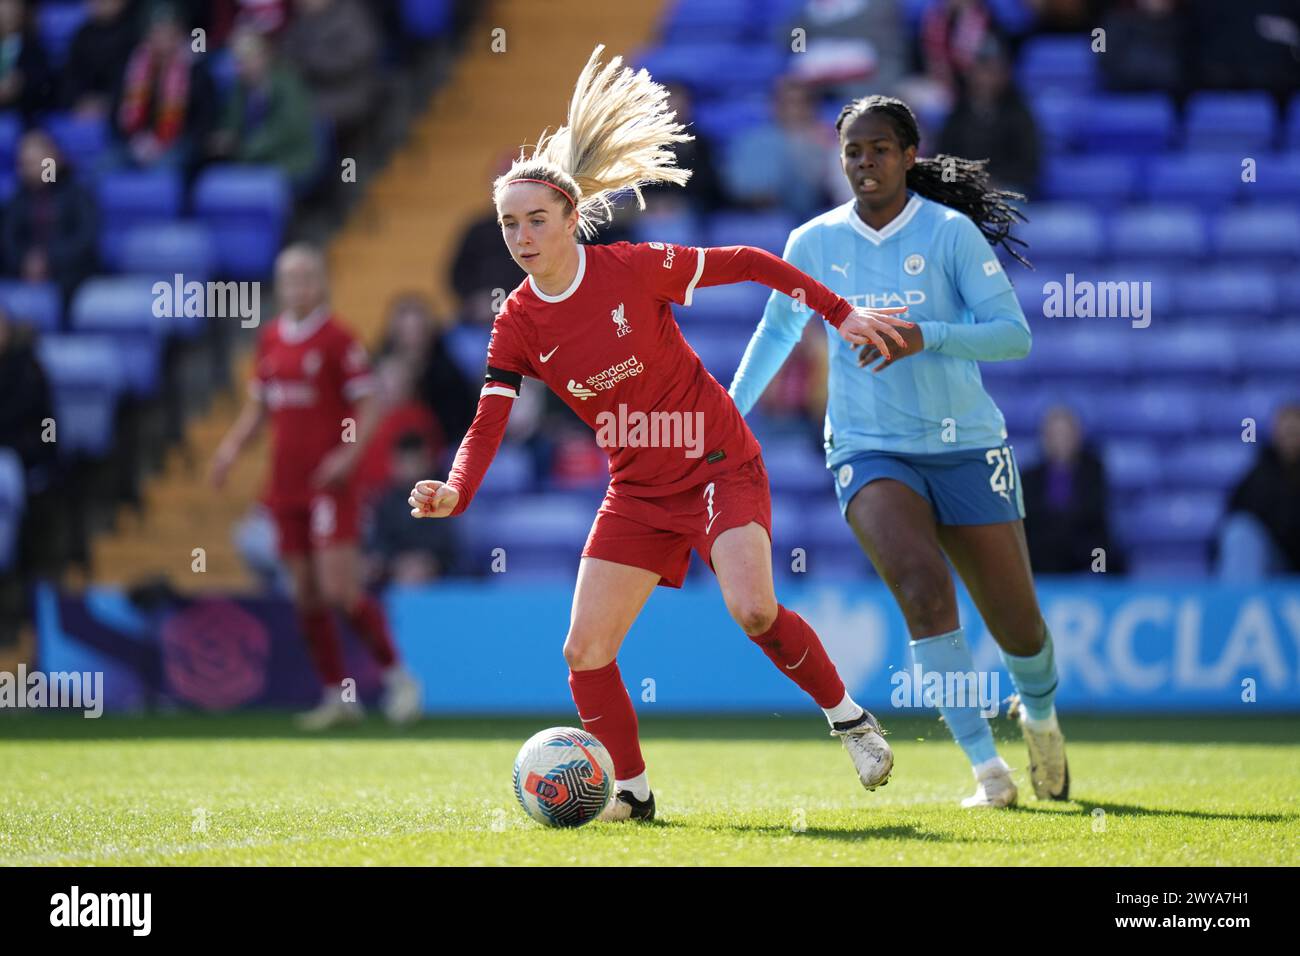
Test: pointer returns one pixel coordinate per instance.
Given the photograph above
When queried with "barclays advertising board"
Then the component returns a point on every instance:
(495, 648)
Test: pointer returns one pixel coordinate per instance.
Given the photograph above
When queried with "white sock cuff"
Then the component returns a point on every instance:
(639, 785)
(1047, 725)
(846, 709)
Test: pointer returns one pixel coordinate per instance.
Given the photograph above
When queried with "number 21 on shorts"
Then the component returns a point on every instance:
(1003, 479)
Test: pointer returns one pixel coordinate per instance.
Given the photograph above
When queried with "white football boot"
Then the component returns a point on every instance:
(332, 711)
(871, 755)
(625, 806)
(1049, 771)
(403, 701)
(993, 788)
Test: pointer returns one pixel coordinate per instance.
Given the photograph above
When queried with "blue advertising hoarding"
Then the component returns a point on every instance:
(495, 648)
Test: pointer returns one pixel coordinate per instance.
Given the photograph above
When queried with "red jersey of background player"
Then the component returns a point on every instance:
(309, 375)
(611, 349)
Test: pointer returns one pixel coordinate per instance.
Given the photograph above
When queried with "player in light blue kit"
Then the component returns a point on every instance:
(916, 447)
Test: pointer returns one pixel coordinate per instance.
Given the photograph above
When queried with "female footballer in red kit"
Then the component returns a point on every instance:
(594, 323)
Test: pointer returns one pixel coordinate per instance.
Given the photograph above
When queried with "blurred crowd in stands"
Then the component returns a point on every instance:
(772, 154)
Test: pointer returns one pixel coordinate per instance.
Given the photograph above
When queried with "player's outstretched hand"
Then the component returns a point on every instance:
(870, 326)
(433, 499)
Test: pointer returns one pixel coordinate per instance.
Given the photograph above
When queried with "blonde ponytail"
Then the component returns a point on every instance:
(617, 137)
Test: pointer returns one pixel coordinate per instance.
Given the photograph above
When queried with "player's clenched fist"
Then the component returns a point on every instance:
(433, 499)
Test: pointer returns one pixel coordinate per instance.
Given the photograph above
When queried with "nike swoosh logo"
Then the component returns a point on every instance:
(791, 667)
(598, 776)
(708, 526)
(547, 357)
(589, 720)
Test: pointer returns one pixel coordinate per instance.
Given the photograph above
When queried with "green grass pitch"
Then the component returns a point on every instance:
(765, 790)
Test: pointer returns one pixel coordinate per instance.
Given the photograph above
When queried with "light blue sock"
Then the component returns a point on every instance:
(1035, 679)
(948, 653)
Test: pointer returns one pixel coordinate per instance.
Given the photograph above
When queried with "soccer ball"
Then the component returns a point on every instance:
(563, 777)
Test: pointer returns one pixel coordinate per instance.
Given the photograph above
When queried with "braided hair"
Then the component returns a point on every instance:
(961, 184)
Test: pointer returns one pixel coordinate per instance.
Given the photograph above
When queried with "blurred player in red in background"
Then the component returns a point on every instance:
(312, 379)
(594, 323)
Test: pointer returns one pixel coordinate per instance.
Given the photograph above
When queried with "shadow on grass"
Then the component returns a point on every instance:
(1145, 729)
(845, 834)
(1129, 810)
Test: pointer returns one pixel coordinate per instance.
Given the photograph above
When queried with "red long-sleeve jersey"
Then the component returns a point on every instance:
(611, 349)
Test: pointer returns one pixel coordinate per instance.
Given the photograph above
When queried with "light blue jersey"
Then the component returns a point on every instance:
(935, 261)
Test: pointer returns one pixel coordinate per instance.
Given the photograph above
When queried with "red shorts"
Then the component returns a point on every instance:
(330, 517)
(658, 534)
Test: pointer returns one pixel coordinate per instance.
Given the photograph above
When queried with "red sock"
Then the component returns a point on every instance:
(606, 712)
(322, 633)
(797, 651)
(371, 624)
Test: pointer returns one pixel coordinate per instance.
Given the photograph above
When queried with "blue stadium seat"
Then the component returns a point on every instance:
(796, 465)
(11, 130)
(1277, 177)
(1288, 292)
(1127, 124)
(8, 185)
(1175, 563)
(1193, 352)
(680, 228)
(511, 473)
(13, 500)
(1236, 121)
(1098, 180)
(82, 140)
(468, 347)
(1057, 113)
(1148, 411)
(1063, 230)
(1226, 292)
(1292, 131)
(1159, 231)
(1173, 517)
(166, 250)
(1210, 463)
(35, 303)
(245, 207)
(766, 230)
(120, 303)
(1132, 465)
(1279, 353)
(736, 306)
(1258, 234)
(719, 349)
(1224, 407)
(1203, 178)
(691, 63)
(716, 68)
(426, 19)
(1057, 63)
(1012, 16)
(691, 21)
(559, 522)
(1091, 348)
(57, 23)
(726, 117)
(134, 197)
(87, 379)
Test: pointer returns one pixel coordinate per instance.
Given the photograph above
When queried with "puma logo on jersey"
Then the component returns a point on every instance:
(619, 321)
(842, 270)
(579, 391)
(547, 357)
